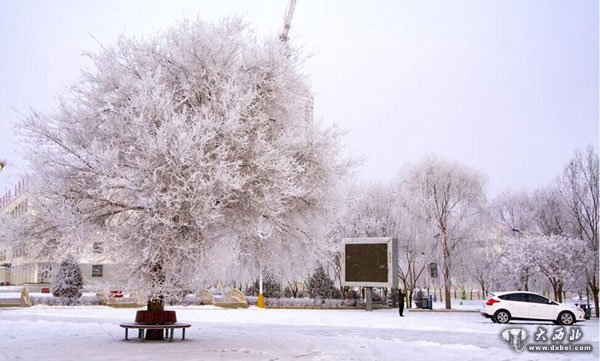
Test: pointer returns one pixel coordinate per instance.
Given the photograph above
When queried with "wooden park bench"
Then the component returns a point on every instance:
(168, 328)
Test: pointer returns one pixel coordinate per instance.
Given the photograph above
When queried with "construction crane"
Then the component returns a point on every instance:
(287, 21)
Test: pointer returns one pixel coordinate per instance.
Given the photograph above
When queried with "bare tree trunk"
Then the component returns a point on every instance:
(526, 279)
(447, 280)
(407, 293)
(447, 297)
(156, 303)
(294, 289)
(594, 289)
(560, 291)
(337, 270)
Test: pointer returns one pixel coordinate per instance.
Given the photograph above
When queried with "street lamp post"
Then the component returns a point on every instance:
(524, 271)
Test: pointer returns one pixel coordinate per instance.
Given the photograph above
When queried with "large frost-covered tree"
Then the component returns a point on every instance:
(451, 197)
(548, 211)
(184, 151)
(480, 263)
(416, 247)
(511, 211)
(579, 187)
(368, 211)
(557, 259)
(380, 210)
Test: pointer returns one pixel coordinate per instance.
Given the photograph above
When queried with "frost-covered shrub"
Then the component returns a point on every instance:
(271, 288)
(68, 280)
(60, 301)
(321, 286)
(288, 293)
(184, 300)
(303, 302)
(352, 294)
(309, 302)
(337, 294)
(417, 296)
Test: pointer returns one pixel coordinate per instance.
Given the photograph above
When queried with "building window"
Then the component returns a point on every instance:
(97, 270)
(97, 247)
(18, 250)
(44, 273)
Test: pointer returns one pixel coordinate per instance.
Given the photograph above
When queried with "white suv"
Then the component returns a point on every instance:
(502, 307)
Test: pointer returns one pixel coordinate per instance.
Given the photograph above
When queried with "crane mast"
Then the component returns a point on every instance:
(287, 21)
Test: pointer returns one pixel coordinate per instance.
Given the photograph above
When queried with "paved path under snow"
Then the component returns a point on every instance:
(92, 333)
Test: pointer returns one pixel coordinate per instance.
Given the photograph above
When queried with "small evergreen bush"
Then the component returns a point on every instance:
(68, 280)
(321, 286)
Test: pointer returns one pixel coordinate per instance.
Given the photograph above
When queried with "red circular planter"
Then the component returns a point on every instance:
(155, 317)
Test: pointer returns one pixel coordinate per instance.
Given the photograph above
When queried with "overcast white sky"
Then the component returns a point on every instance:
(509, 88)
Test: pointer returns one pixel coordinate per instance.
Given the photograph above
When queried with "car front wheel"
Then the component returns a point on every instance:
(502, 316)
(566, 318)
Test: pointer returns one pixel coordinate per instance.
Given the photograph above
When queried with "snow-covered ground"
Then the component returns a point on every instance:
(92, 333)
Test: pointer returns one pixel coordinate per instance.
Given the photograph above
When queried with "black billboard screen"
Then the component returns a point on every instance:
(366, 262)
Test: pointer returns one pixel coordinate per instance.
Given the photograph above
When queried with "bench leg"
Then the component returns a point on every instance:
(183, 334)
(126, 334)
(140, 333)
(171, 336)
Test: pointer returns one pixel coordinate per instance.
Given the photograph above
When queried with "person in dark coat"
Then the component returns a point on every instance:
(400, 302)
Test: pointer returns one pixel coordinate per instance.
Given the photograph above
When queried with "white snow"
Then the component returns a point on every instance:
(93, 333)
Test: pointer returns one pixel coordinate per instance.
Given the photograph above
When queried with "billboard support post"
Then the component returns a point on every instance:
(369, 298)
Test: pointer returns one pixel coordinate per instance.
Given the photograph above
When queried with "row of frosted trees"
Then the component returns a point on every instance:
(539, 240)
(543, 240)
